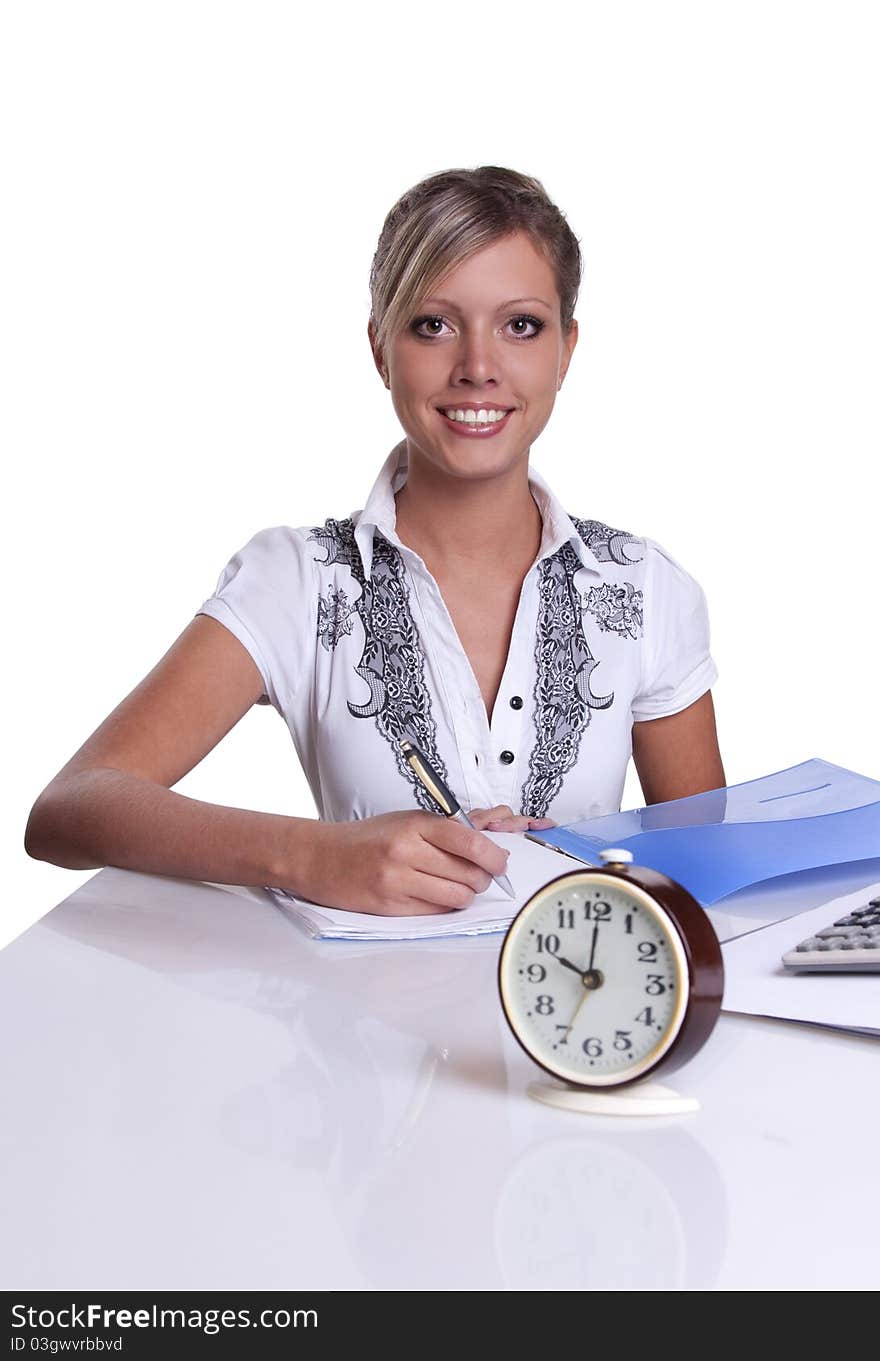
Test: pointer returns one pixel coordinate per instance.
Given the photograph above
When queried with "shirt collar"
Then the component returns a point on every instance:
(380, 513)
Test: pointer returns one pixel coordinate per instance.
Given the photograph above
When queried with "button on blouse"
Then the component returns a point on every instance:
(357, 651)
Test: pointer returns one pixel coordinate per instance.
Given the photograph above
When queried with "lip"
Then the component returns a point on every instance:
(475, 429)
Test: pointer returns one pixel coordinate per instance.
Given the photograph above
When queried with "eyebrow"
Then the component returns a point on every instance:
(446, 302)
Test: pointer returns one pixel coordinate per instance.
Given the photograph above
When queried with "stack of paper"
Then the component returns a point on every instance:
(529, 867)
(757, 982)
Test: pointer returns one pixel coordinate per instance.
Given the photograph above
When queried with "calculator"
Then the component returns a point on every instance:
(849, 945)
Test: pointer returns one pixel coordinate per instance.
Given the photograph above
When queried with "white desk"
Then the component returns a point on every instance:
(198, 1097)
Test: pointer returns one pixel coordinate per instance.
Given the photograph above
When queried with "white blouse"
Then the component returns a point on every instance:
(357, 650)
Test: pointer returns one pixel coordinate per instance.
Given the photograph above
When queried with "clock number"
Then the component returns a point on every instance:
(655, 984)
(647, 952)
(622, 1039)
(548, 945)
(566, 917)
(537, 973)
(544, 1004)
(597, 912)
(628, 924)
(646, 1016)
(565, 1029)
(592, 1048)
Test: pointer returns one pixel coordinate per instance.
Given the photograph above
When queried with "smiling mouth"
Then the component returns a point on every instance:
(476, 425)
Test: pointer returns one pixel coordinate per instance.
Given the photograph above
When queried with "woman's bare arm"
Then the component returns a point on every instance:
(112, 804)
(678, 755)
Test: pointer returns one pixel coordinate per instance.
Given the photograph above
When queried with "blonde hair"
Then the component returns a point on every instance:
(445, 219)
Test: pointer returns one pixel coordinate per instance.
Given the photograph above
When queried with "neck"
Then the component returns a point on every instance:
(450, 521)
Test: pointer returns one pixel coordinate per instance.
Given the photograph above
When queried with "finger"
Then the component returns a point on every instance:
(465, 842)
(514, 823)
(416, 907)
(445, 894)
(541, 824)
(456, 869)
(480, 817)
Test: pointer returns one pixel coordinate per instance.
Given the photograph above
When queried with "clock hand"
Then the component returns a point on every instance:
(591, 978)
(593, 947)
(587, 992)
(568, 964)
(560, 959)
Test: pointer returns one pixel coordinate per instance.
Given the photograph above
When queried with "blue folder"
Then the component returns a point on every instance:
(812, 814)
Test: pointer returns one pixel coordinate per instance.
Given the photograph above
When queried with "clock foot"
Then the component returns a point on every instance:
(642, 1098)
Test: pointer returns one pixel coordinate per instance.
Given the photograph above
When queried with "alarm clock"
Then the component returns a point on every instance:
(610, 975)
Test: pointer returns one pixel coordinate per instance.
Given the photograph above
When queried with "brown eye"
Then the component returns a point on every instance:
(423, 321)
(532, 321)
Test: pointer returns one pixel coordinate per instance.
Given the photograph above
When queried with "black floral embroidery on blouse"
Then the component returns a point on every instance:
(607, 544)
(616, 609)
(563, 695)
(392, 663)
(334, 617)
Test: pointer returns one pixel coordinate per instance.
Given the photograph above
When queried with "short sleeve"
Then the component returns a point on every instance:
(266, 596)
(677, 667)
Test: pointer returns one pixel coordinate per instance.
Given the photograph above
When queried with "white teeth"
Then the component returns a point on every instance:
(474, 417)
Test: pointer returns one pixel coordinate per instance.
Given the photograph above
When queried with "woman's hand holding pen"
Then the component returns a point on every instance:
(399, 864)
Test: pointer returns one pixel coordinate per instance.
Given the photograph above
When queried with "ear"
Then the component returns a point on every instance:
(378, 357)
(568, 350)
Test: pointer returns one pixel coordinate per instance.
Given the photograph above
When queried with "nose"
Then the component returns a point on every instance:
(477, 360)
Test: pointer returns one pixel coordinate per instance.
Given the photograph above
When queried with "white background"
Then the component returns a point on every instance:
(192, 197)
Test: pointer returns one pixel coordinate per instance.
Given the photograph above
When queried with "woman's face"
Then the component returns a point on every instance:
(489, 334)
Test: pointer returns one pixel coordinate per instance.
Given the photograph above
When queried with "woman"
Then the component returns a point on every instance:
(527, 652)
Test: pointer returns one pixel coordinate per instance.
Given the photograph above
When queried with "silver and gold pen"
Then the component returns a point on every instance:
(446, 801)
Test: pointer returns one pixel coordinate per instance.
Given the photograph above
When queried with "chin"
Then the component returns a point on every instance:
(487, 460)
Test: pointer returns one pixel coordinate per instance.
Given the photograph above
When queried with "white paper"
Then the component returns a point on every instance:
(758, 983)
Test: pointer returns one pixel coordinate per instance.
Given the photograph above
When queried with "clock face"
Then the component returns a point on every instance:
(594, 979)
